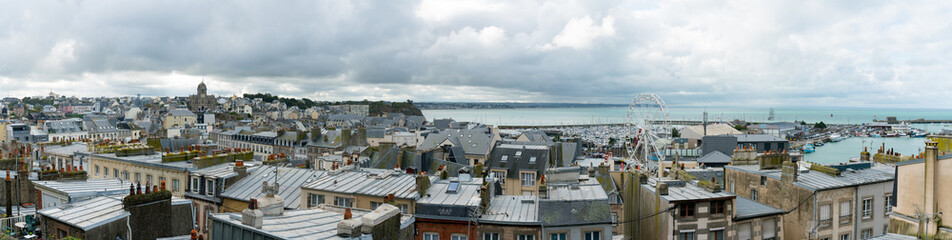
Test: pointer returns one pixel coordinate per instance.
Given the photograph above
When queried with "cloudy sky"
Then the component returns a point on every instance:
(760, 53)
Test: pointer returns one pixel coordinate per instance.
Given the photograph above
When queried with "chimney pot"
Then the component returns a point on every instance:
(347, 214)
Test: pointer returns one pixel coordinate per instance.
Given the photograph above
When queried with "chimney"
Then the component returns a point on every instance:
(789, 172)
(240, 168)
(422, 184)
(543, 188)
(662, 188)
(931, 170)
(348, 227)
(252, 216)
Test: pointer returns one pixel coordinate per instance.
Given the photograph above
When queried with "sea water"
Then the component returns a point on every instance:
(830, 153)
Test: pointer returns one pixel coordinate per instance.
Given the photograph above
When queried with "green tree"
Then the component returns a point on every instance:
(612, 141)
(820, 125)
(675, 133)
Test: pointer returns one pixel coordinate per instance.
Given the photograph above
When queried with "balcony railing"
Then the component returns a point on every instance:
(846, 219)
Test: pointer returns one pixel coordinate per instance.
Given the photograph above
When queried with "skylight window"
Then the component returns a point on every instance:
(454, 186)
(504, 158)
(532, 160)
(518, 153)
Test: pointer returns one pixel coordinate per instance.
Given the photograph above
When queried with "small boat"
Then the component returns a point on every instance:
(818, 144)
(808, 148)
(836, 137)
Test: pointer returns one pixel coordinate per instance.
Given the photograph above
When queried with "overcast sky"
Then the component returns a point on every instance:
(752, 53)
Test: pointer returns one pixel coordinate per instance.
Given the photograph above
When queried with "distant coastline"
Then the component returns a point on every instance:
(507, 105)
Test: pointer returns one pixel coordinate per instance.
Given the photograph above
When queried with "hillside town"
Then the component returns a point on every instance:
(263, 167)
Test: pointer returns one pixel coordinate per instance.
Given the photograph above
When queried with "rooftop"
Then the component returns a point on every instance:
(289, 179)
(678, 190)
(84, 188)
(465, 193)
(88, 214)
(371, 182)
(815, 180)
(588, 190)
(221, 171)
(747, 209)
(512, 210)
(295, 224)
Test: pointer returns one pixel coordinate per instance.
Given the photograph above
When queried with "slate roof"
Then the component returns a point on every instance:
(714, 157)
(574, 212)
(289, 179)
(88, 214)
(505, 209)
(523, 162)
(536, 136)
(68, 150)
(181, 112)
(222, 171)
(747, 209)
(467, 193)
(477, 141)
(893, 236)
(371, 182)
(814, 180)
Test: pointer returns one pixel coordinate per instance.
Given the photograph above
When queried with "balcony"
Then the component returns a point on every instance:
(825, 223)
(846, 219)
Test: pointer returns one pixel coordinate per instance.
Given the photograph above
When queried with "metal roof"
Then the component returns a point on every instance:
(221, 171)
(368, 182)
(747, 209)
(814, 180)
(892, 236)
(687, 192)
(181, 112)
(289, 179)
(67, 150)
(466, 195)
(154, 160)
(587, 190)
(84, 188)
(296, 224)
(88, 214)
(505, 209)
(758, 138)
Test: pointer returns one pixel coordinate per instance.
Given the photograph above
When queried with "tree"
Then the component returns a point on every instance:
(740, 127)
(820, 125)
(675, 133)
(612, 141)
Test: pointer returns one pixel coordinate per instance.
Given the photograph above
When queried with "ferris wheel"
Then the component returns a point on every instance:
(647, 115)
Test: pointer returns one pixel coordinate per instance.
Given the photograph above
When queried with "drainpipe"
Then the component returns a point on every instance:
(129, 227)
(855, 205)
(816, 219)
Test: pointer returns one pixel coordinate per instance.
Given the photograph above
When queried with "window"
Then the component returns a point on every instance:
(125, 175)
(138, 177)
(717, 207)
(596, 235)
(457, 237)
(431, 236)
(763, 180)
(866, 234)
(558, 236)
(614, 219)
(148, 179)
(115, 173)
(374, 205)
(490, 236)
(686, 210)
(210, 187)
(845, 209)
(518, 153)
(743, 231)
(404, 209)
(717, 235)
(825, 212)
(532, 160)
(525, 237)
(528, 179)
(504, 158)
(845, 237)
(97, 170)
(732, 186)
(888, 206)
(175, 184)
(315, 199)
(867, 208)
(344, 202)
(106, 171)
(501, 175)
(769, 229)
(195, 184)
(753, 195)
(686, 236)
